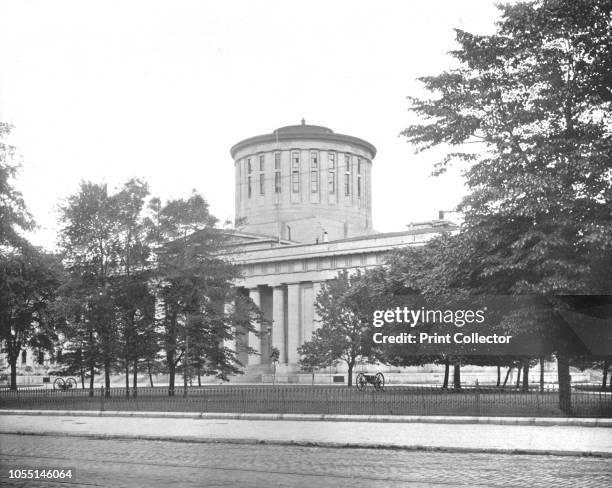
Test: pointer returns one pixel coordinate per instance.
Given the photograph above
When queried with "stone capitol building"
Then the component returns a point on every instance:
(304, 198)
(304, 214)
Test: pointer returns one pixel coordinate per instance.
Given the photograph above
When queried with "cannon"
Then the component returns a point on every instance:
(377, 380)
(64, 384)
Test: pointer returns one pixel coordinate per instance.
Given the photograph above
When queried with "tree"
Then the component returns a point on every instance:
(131, 290)
(242, 315)
(536, 96)
(90, 242)
(13, 212)
(316, 353)
(28, 281)
(192, 284)
(210, 330)
(345, 306)
(275, 357)
(602, 364)
(28, 276)
(150, 352)
(77, 335)
(431, 276)
(141, 283)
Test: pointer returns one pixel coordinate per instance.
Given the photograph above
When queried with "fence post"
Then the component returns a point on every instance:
(102, 393)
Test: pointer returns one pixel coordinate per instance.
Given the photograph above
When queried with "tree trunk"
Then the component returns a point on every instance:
(565, 392)
(542, 374)
(80, 366)
(526, 376)
(13, 363)
(507, 376)
(185, 389)
(82, 371)
(605, 375)
(13, 350)
(149, 371)
(92, 372)
(199, 376)
(186, 365)
(518, 376)
(171, 374)
(351, 364)
(457, 376)
(92, 365)
(498, 376)
(107, 373)
(171, 350)
(128, 348)
(446, 372)
(135, 378)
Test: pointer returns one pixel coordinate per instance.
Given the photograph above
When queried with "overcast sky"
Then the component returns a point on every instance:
(105, 91)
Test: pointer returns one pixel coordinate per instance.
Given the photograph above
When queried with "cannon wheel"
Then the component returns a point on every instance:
(379, 381)
(361, 381)
(59, 384)
(71, 383)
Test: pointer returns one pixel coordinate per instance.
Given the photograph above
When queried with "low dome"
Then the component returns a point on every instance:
(303, 129)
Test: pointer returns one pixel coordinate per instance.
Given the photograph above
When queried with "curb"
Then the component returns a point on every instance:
(325, 444)
(532, 421)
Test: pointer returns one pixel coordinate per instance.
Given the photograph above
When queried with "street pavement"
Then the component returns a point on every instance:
(156, 464)
(532, 439)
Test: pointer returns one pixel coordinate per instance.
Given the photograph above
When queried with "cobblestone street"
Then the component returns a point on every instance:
(137, 463)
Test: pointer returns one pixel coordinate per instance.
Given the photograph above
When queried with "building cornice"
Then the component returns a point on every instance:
(301, 133)
(358, 245)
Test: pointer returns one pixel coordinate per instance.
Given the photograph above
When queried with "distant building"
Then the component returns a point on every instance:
(304, 196)
(32, 365)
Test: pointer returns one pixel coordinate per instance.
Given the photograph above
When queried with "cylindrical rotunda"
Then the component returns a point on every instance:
(304, 183)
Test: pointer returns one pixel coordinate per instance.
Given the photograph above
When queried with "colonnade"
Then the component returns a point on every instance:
(290, 318)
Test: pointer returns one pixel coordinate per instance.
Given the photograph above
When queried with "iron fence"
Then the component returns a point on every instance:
(394, 400)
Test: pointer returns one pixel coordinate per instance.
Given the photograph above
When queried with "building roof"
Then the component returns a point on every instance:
(349, 245)
(304, 132)
(241, 238)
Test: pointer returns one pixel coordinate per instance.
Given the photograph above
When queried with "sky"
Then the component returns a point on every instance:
(108, 90)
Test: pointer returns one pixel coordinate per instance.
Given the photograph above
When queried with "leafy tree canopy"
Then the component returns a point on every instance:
(345, 306)
(29, 279)
(14, 215)
(535, 98)
(528, 111)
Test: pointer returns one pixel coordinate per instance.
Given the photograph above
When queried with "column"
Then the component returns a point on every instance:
(293, 322)
(230, 343)
(307, 312)
(278, 322)
(254, 340)
(316, 288)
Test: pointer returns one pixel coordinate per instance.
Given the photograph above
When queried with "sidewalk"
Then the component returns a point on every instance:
(550, 439)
